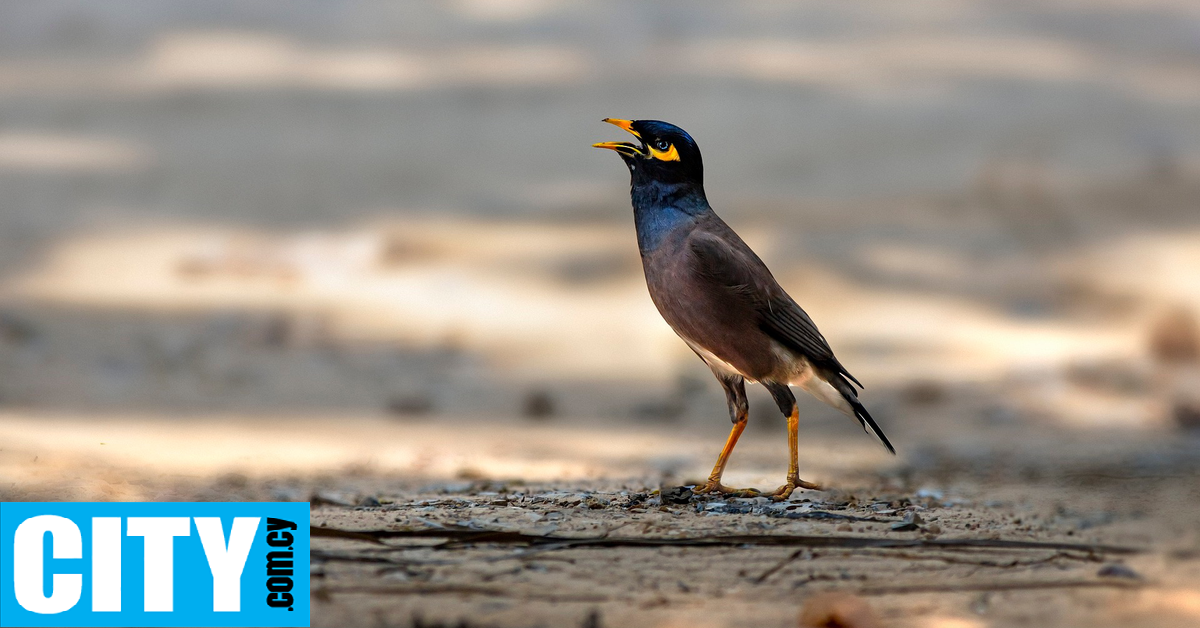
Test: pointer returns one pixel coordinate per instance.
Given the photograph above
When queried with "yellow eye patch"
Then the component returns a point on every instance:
(665, 155)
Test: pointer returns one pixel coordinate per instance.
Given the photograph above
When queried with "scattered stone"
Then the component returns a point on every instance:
(326, 498)
(595, 503)
(368, 502)
(1117, 570)
(911, 522)
(676, 495)
(636, 499)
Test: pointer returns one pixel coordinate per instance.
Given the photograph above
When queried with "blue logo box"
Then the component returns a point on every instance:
(154, 564)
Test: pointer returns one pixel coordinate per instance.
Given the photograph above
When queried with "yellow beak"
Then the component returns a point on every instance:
(624, 124)
(627, 148)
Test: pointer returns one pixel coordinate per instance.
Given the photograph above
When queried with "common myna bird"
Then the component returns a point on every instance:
(721, 299)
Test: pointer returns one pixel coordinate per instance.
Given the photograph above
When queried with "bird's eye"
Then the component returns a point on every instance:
(662, 144)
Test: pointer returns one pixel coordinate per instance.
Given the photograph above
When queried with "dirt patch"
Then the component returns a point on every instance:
(503, 555)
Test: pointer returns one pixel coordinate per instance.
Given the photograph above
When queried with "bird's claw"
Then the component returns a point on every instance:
(713, 486)
(785, 491)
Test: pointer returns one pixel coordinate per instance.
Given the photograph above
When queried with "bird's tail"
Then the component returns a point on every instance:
(865, 419)
(856, 408)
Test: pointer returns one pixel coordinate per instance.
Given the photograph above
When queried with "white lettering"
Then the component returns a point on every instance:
(159, 533)
(28, 570)
(106, 564)
(226, 563)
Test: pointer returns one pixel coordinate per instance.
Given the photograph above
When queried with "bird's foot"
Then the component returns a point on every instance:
(715, 486)
(785, 491)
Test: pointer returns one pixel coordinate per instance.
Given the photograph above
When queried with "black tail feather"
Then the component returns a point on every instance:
(845, 375)
(838, 379)
(865, 419)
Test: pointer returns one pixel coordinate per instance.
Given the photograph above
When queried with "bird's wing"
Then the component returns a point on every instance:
(726, 260)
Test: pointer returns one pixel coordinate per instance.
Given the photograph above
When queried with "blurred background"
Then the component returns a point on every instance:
(303, 239)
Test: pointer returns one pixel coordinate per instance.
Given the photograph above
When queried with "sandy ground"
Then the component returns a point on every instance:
(518, 523)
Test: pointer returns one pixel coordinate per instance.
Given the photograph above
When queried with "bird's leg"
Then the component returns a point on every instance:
(787, 403)
(713, 485)
(735, 394)
(793, 476)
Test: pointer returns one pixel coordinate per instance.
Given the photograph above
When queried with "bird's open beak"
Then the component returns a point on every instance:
(625, 148)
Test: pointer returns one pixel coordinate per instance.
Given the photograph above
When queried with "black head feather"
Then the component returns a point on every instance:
(668, 154)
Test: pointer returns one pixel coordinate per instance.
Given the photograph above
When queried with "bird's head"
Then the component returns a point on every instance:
(664, 153)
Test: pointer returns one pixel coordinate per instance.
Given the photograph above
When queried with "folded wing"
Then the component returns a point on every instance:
(724, 259)
(728, 262)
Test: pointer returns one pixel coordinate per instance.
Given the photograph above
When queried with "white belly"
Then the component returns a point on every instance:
(719, 366)
(800, 374)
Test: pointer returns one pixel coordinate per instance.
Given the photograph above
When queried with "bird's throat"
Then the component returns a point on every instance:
(660, 209)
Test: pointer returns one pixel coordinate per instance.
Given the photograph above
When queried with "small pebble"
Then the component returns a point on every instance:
(1117, 570)
(677, 495)
(930, 493)
(911, 522)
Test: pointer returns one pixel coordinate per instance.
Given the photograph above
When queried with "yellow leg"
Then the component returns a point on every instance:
(714, 479)
(793, 476)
